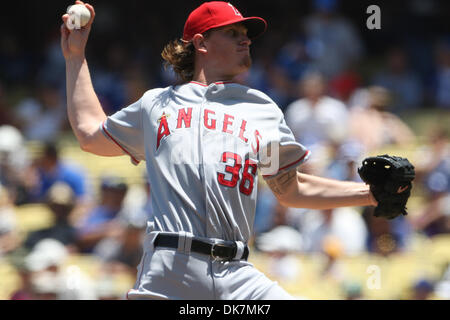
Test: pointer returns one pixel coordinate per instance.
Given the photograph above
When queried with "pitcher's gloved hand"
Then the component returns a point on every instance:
(390, 180)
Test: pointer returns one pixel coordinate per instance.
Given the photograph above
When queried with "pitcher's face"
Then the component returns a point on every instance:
(229, 50)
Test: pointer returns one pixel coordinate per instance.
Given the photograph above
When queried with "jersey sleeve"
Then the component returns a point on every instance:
(125, 129)
(281, 152)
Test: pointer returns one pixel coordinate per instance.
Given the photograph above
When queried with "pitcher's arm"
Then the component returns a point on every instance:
(298, 190)
(83, 106)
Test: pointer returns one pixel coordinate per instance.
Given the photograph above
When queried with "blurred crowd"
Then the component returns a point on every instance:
(340, 100)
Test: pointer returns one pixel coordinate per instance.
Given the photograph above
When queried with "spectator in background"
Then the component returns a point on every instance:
(442, 286)
(434, 217)
(422, 289)
(401, 81)
(49, 169)
(316, 119)
(331, 40)
(352, 290)
(25, 289)
(282, 235)
(443, 74)
(265, 205)
(108, 81)
(375, 126)
(304, 230)
(61, 201)
(293, 59)
(343, 227)
(104, 221)
(258, 75)
(123, 253)
(430, 155)
(50, 279)
(433, 174)
(42, 117)
(386, 236)
(9, 237)
(108, 286)
(45, 286)
(136, 82)
(270, 77)
(14, 164)
(344, 84)
(281, 242)
(280, 87)
(53, 66)
(345, 159)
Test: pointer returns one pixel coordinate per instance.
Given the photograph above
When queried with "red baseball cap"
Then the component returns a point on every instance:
(216, 14)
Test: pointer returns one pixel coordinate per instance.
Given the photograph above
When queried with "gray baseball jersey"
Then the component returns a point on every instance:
(203, 146)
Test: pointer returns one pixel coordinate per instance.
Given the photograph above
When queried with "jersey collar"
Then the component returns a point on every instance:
(196, 91)
(205, 85)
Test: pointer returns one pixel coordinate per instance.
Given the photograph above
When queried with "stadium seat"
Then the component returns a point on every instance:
(31, 217)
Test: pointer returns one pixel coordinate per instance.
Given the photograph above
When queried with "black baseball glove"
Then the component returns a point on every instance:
(389, 179)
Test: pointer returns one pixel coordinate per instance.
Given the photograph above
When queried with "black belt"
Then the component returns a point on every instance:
(219, 250)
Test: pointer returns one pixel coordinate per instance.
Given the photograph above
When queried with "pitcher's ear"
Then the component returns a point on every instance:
(199, 43)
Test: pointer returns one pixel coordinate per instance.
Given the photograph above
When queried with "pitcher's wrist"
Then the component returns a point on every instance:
(75, 59)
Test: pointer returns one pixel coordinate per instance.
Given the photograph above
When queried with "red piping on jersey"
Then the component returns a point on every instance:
(204, 85)
(199, 83)
(223, 82)
(291, 164)
(123, 149)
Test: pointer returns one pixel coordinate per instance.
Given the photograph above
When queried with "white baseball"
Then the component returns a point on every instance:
(79, 16)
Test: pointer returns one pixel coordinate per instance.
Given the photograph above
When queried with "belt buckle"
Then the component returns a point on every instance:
(216, 258)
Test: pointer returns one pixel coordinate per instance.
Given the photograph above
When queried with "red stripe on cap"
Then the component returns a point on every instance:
(291, 164)
(123, 149)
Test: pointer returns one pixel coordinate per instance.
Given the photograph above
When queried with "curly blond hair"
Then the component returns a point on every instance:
(181, 57)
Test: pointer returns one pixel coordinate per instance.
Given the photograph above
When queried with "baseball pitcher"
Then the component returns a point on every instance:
(203, 141)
